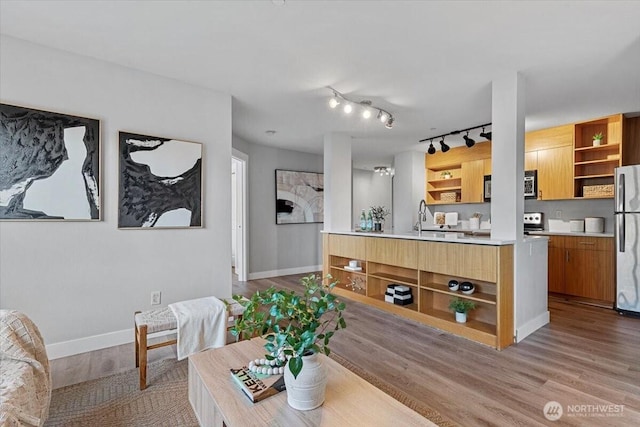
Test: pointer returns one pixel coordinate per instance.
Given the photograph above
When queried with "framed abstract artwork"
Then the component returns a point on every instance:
(160, 183)
(49, 165)
(299, 197)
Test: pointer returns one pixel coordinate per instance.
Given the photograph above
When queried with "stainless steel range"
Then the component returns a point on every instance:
(533, 221)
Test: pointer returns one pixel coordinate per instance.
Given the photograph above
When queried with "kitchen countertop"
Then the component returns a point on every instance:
(448, 237)
(569, 233)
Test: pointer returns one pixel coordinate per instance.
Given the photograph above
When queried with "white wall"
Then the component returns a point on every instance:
(408, 189)
(370, 189)
(277, 249)
(81, 279)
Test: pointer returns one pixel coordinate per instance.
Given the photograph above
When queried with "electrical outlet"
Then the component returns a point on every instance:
(559, 214)
(156, 297)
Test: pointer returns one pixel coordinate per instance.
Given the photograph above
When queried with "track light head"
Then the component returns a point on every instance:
(389, 124)
(432, 149)
(444, 147)
(334, 101)
(486, 135)
(470, 142)
(366, 113)
(383, 116)
(348, 108)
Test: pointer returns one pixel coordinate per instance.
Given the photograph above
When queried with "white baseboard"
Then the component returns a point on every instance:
(95, 342)
(285, 272)
(532, 326)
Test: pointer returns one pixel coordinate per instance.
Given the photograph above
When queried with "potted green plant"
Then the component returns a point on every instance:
(597, 138)
(297, 328)
(461, 307)
(446, 175)
(378, 213)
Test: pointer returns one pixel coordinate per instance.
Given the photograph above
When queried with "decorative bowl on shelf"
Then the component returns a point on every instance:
(453, 285)
(467, 288)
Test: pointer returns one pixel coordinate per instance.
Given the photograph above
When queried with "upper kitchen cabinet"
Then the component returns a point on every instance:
(457, 175)
(549, 151)
(555, 180)
(472, 177)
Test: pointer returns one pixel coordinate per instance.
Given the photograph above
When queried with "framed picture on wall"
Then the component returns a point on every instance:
(299, 197)
(49, 165)
(160, 183)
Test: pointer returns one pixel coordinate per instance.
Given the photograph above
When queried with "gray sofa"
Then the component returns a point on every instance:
(25, 379)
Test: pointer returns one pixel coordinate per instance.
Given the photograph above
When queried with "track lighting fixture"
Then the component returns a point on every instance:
(484, 134)
(432, 149)
(467, 140)
(444, 147)
(368, 109)
(382, 170)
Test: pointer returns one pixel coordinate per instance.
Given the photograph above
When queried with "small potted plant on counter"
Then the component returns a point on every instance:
(461, 307)
(597, 139)
(378, 213)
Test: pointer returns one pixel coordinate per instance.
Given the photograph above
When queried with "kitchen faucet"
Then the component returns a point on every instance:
(422, 215)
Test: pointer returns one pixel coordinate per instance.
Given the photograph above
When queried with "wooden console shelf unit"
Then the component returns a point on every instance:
(426, 268)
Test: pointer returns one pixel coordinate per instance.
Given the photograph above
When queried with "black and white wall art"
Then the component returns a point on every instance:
(299, 197)
(49, 165)
(160, 182)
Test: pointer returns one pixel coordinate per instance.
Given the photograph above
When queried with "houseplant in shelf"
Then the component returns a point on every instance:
(597, 139)
(378, 213)
(461, 307)
(297, 328)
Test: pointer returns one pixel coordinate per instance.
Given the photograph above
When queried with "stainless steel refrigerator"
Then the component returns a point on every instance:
(627, 233)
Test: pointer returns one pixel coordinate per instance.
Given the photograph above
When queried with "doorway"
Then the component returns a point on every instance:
(239, 233)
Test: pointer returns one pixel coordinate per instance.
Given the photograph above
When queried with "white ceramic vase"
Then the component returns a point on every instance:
(461, 317)
(597, 142)
(307, 391)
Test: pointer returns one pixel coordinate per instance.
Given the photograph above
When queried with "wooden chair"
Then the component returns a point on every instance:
(162, 320)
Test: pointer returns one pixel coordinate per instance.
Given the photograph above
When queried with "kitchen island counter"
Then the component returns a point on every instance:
(434, 236)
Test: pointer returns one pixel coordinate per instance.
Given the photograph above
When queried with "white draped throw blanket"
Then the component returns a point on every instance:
(202, 324)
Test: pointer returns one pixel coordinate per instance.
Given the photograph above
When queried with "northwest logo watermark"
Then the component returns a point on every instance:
(553, 410)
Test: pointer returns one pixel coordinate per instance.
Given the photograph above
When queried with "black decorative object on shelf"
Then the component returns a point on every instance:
(453, 285)
(467, 288)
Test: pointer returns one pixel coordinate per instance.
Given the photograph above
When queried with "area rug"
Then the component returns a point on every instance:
(116, 401)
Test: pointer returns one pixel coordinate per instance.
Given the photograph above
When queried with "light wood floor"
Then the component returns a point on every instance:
(586, 356)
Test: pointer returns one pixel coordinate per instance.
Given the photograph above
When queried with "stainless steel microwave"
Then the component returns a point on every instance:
(530, 185)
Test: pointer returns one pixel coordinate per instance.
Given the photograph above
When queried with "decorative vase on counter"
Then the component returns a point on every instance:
(377, 226)
(307, 391)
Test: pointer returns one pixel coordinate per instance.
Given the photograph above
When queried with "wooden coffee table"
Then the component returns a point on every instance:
(349, 400)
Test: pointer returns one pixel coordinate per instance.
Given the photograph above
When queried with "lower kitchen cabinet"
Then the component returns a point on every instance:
(582, 267)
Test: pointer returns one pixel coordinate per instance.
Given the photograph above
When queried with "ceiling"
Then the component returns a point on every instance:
(429, 63)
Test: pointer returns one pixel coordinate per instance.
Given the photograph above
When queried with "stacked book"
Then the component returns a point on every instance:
(398, 294)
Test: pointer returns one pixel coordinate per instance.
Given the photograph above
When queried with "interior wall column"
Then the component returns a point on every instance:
(337, 182)
(409, 188)
(507, 153)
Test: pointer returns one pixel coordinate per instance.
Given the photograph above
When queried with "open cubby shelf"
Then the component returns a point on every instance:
(471, 323)
(412, 307)
(341, 268)
(476, 296)
(394, 278)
